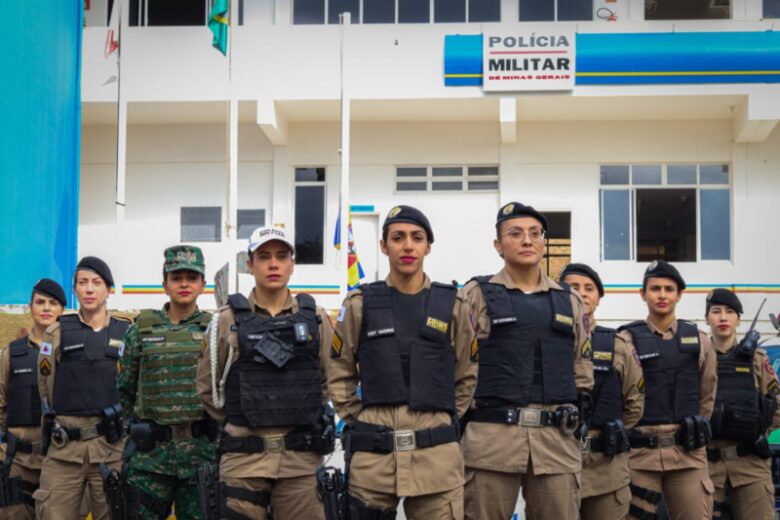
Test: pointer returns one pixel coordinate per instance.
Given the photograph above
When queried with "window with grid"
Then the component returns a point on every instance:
(308, 12)
(446, 178)
(675, 212)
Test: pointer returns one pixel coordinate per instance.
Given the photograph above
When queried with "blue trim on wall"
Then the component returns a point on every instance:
(644, 58)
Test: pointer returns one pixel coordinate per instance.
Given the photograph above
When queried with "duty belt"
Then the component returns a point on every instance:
(532, 417)
(175, 432)
(294, 441)
(61, 435)
(23, 446)
(664, 440)
(743, 449)
(380, 439)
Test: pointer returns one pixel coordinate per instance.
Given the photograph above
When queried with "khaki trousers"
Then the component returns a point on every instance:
(611, 506)
(493, 495)
(754, 501)
(446, 505)
(291, 498)
(688, 492)
(63, 487)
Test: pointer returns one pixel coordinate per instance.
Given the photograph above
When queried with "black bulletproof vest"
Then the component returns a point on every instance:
(738, 399)
(85, 381)
(671, 371)
(405, 353)
(607, 395)
(257, 392)
(24, 401)
(529, 356)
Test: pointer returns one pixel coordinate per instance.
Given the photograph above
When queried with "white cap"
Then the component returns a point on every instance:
(263, 235)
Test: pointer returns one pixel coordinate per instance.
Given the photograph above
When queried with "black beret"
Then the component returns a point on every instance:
(97, 266)
(723, 297)
(409, 215)
(584, 270)
(663, 269)
(518, 209)
(52, 289)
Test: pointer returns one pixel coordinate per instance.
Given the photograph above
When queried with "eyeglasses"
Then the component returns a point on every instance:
(519, 235)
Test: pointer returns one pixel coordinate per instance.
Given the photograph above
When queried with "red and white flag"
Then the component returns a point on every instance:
(112, 37)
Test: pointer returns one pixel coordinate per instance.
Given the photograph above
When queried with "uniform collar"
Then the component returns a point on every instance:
(192, 317)
(723, 349)
(32, 339)
(426, 281)
(655, 330)
(545, 282)
(290, 305)
(105, 324)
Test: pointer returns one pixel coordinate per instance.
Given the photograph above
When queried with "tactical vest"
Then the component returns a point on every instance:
(671, 371)
(24, 401)
(257, 392)
(168, 359)
(607, 394)
(737, 405)
(85, 380)
(529, 355)
(405, 353)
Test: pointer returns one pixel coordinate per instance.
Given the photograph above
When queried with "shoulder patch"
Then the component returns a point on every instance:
(768, 368)
(641, 384)
(586, 352)
(475, 349)
(45, 367)
(335, 346)
(774, 387)
(586, 322)
(342, 312)
(46, 348)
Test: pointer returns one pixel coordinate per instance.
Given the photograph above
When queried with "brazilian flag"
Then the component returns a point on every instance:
(218, 25)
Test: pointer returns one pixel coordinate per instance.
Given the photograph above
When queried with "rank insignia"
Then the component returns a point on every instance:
(335, 346)
(475, 349)
(586, 352)
(45, 367)
(641, 385)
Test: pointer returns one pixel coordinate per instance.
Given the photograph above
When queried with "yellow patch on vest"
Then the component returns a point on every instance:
(689, 340)
(586, 351)
(197, 336)
(602, 356)
(568, 320)
(742, 369)
(335, 346)
(437, 325)
(116, 343)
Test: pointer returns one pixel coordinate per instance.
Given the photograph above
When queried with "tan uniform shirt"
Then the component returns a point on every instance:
(92, 451)
(285, 464)
(745, 470)
(602, 474)
(512, 448)
(403, 473)
(674, 457)
(23, 433)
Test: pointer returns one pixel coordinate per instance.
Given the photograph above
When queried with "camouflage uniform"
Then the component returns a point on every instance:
(159, 386)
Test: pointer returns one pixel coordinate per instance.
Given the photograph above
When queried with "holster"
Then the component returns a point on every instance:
(614, 438)
(142, 434)
(112, 423)
(207, 482)
(48, 426)
(332, 492)
(123, 500)
(694, 433)
(761, 448)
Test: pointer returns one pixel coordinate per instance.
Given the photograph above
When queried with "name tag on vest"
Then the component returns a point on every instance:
(380, 332)
(499, 321)
(601, 368)
(23, 371)
(651, 355)
(437, 325)
(689, 340)
(562, 318)
(68, 348)
(153, 339)
(602, 356)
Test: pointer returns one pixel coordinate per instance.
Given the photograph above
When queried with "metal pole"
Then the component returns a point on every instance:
(121, 155)
(343, 263)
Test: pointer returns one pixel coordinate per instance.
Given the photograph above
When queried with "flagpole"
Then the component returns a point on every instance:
(232, 136)
(121, 152)
(345, 19)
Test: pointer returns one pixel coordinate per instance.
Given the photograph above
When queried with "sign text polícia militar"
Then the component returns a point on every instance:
(529, 60)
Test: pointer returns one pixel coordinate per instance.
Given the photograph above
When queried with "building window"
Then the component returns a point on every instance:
(397, 11)
(173, 12)
(201, 224)
(446, 178)
(771, 8)
(555, 10)
(688, 10)
(309, 215)
(248, 221)
(557, 251)
(675, 212)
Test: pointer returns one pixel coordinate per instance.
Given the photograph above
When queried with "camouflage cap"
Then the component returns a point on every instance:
(178, 258)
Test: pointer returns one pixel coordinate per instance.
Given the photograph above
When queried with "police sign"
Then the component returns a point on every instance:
(529, 60)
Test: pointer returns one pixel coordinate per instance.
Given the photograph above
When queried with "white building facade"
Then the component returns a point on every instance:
(215, 145)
